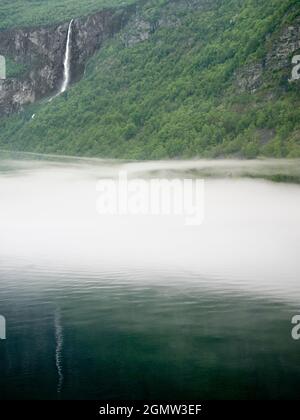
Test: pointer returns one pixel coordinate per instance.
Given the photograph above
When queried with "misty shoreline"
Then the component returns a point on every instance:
(274, 170)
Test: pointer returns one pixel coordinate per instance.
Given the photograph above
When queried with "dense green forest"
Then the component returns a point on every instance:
(175, 94)
(23, 13)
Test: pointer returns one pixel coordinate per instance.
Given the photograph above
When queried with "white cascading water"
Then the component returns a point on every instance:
(67, 64)
(67, 61)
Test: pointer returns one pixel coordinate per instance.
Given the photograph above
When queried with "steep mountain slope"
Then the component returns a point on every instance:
(24, 13)
(182, 79)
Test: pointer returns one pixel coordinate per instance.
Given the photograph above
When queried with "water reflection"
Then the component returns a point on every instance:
(58, 351)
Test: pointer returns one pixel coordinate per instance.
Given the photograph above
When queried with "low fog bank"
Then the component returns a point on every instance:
(286, 170)
(250, 236)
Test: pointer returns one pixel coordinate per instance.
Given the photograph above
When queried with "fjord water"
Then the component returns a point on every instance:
(124, 307)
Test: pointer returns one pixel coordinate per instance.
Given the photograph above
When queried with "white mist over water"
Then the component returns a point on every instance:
(249, 239)
(67, 60)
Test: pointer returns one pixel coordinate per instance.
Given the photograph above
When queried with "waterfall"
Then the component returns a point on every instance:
(67, 60)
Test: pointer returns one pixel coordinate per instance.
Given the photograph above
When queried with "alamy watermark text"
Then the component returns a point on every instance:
(153, 197)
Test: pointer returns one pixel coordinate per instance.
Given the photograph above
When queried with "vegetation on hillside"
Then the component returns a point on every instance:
(175, 95)
(14, 69)
(22, 13)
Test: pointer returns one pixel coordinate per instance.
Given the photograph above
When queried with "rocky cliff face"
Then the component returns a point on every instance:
(282, 51)
(284, 47)
(42, 51)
